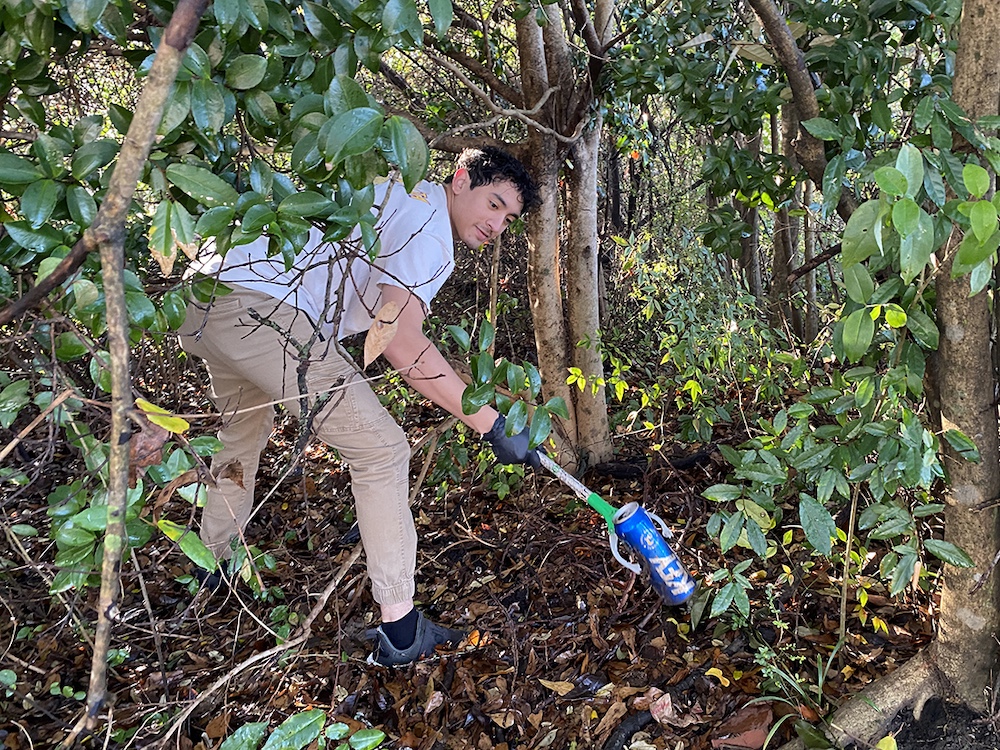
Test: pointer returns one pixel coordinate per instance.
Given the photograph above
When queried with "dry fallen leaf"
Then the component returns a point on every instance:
(145, 449)
(611, 718)
(560, 687)
(382, 332)
(433, 703)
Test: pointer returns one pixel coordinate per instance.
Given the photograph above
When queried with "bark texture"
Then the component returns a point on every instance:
(966, 647)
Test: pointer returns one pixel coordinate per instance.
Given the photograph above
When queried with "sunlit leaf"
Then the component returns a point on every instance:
(297, 730)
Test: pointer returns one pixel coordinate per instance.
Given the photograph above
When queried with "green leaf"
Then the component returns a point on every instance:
(248, 736)
(923, 112)
(43, 239)
(202, 185)
(69, 347)
(256, 218)
(297, 730)
(983, 215)
(399, 16)
(85, 13)
(881, 115)
(256, 13)
(902, 573)
(208, 106)
(554, 405)
(722, 492)
(976, 180)
(963, 444)
(409, 149)
(227, 13)
(306, 203)
(516, 379)
(858, 332)
(92, 156)
(814, 457)
(245, 72)
(910, 163)
(858, 283)
(895, 316)
(344, 94)
(822, 128)
(443, 13)
(189, 543)
(859, 238)
(337, 731)
(81, 204)
(178, 106)
(366, 739)
(461, 337)
(262, 108)
(353, 132)
(322, 24)
(16, 170)
(915, 249)
(475, 397)
(12, 399)
(934, 185)
(833, 182)
(39, 200)
(541, 426)
(214, 221)
(950, 553)
(891, 181)
(972, 252)
(730, 535)
(517, 417)
(905, 215)
(817, 523)
(487, 334)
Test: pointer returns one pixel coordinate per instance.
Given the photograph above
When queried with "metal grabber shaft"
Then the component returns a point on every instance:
(595, 501)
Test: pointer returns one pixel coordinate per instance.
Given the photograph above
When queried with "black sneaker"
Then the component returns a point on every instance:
(216, 579)
(429, 636)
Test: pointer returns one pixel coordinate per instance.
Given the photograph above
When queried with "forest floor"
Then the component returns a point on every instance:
(570, 649)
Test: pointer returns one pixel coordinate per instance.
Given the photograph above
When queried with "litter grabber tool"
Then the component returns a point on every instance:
(638, 527)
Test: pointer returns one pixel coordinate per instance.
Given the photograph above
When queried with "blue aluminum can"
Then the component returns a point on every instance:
(668, 576)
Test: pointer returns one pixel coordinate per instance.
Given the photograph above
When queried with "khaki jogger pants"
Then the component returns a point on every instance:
(252, 364)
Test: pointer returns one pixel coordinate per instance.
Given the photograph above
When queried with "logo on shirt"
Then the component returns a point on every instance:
(420, 195)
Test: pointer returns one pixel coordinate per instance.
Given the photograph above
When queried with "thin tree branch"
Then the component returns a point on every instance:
(518, 114)
(499, 87)
(816, 262)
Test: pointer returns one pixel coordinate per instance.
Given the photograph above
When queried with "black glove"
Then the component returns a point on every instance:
(513, 449)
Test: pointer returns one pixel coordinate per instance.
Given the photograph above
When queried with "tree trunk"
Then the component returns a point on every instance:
(750, 242)
(811, 328)
(593, 436)
(966, 647)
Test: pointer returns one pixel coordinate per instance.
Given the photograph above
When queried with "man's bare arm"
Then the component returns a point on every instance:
(423, 366)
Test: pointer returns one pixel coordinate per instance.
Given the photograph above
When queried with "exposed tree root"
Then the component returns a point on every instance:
(865, 718)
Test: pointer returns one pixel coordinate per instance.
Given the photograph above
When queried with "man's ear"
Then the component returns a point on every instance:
(460, 180)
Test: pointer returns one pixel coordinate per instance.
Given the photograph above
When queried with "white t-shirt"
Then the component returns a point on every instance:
(417, 253)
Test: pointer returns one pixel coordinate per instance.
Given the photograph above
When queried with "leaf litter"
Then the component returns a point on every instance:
(570, 649)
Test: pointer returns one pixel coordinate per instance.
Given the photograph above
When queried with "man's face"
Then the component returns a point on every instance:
(480, 214)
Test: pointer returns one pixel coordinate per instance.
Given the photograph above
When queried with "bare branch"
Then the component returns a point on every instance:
(499, 87)
(518, 114)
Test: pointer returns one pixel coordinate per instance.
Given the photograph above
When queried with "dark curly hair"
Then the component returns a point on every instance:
(488, 164)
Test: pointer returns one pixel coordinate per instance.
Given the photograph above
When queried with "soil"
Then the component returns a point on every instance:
(947, 726)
